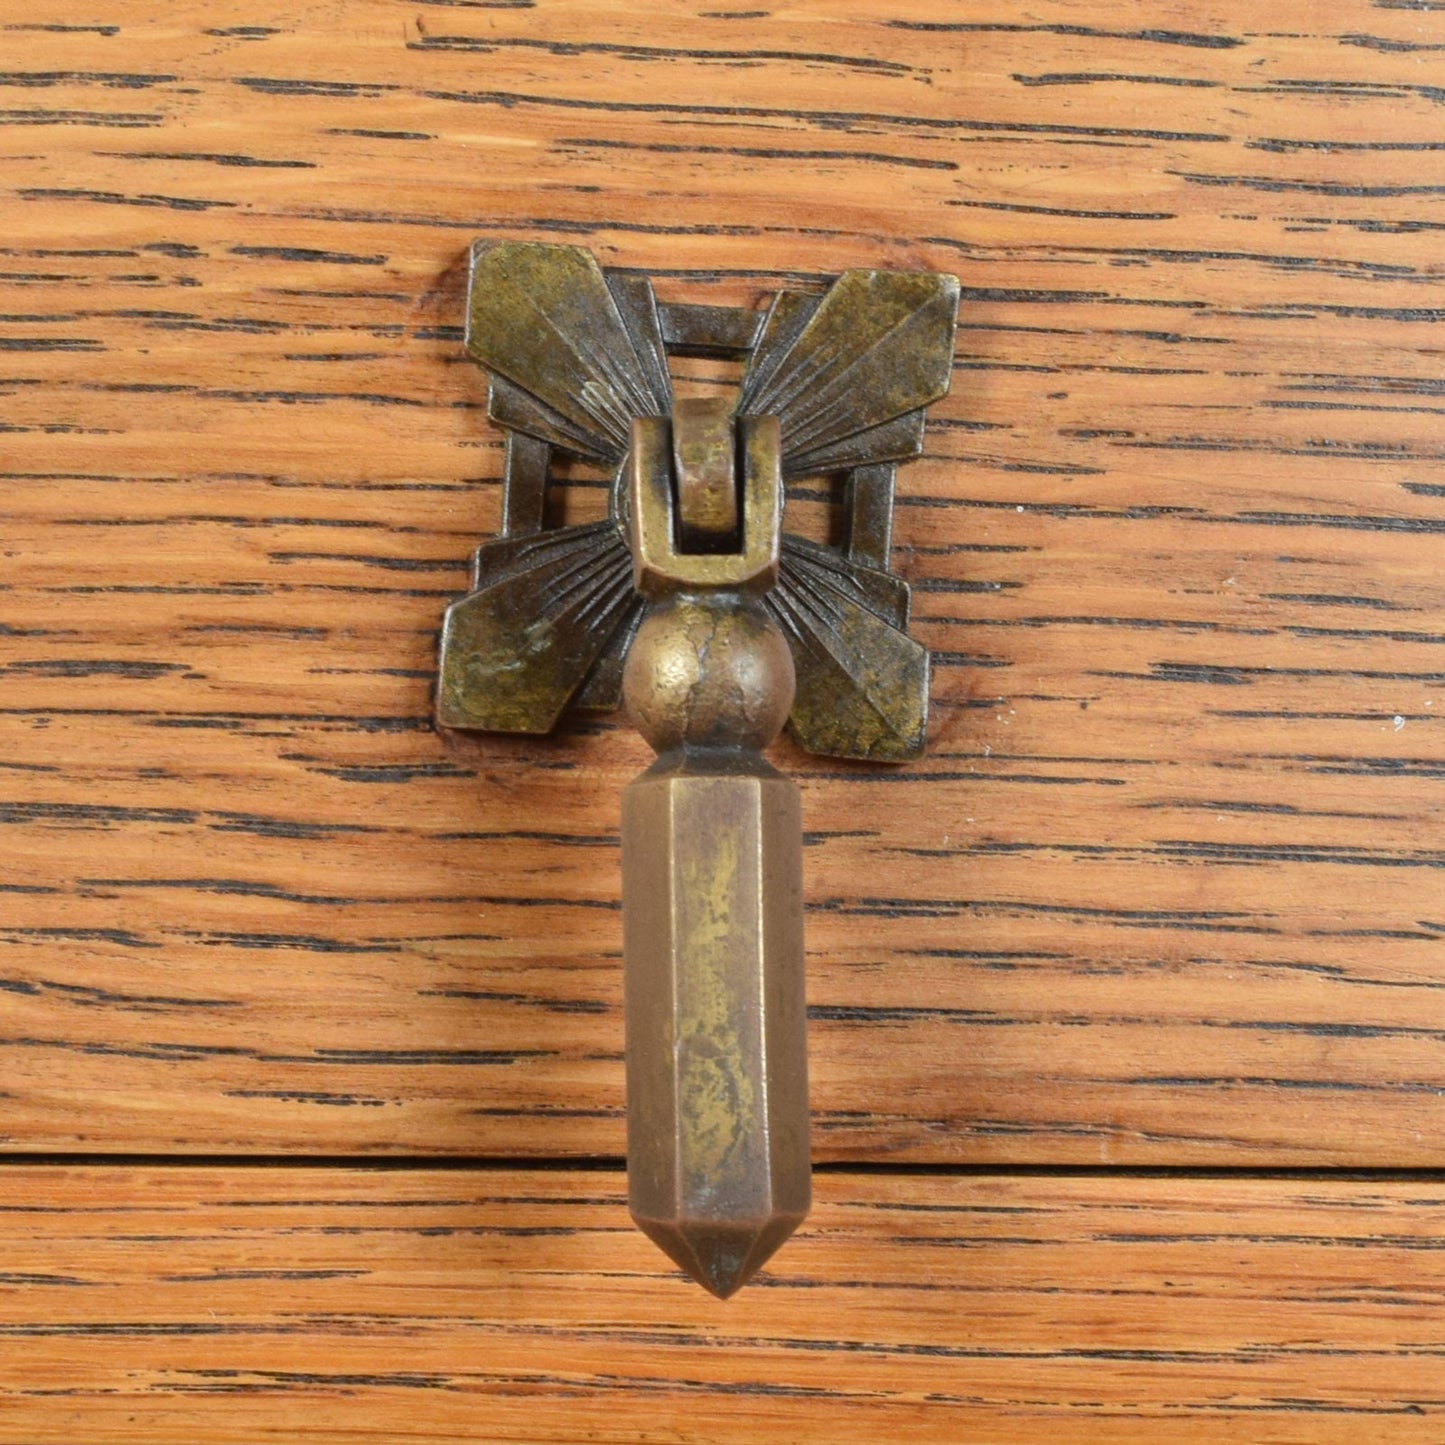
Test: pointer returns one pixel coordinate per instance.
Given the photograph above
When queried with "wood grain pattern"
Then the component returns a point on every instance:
(1168, 888)
(306, 1304)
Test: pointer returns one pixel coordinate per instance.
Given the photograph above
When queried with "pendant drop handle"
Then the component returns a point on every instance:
(669, 604)
(718, 1159)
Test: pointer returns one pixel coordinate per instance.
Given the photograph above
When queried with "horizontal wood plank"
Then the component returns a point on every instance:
(177, 1304)
(1168, 887)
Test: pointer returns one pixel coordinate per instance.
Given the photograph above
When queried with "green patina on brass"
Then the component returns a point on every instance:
(690, 605)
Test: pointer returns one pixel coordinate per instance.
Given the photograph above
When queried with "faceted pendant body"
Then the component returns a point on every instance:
(717, 1086)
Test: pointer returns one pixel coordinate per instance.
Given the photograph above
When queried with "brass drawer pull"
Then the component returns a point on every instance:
(690, 605)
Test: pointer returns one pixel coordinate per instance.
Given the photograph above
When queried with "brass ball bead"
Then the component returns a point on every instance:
(708, 672)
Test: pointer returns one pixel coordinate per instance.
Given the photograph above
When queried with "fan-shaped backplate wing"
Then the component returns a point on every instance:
(837, 371)
(862, 681)
(515, 651)
(546, 319)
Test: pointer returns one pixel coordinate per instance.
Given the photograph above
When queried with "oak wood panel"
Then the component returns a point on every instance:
(1168, 887)
(182, 1303)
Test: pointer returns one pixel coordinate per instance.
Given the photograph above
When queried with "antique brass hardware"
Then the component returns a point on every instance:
(691, 605)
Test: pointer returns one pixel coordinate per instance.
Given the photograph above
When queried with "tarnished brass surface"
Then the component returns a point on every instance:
(691, 330)
(712, 914)
(709, 671)
(862, 680)
(705, 474)
(878, 345)
(659, 564)
(717, 1090)
(515, 650)
(714, 629)
(577, 354)
(869, 507)
(546, 318)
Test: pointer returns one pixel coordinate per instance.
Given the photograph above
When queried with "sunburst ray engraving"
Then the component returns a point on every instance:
(545, 318)
(516, 650)
(878, 345)
(862, 688)
(576, 352)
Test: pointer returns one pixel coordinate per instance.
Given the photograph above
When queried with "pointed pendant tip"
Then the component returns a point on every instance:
(722, 1256)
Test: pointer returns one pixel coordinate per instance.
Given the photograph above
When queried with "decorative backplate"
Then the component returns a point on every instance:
(576, 352)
